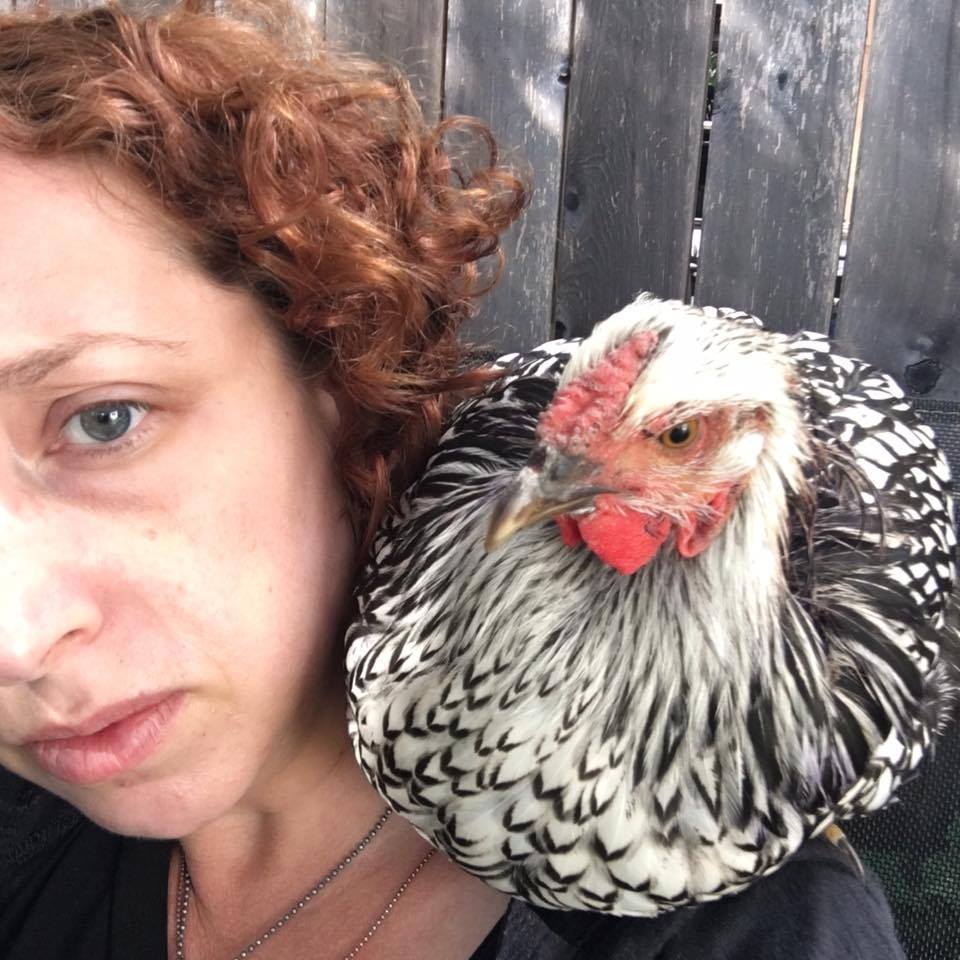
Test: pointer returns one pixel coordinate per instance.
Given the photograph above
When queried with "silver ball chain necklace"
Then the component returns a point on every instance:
(184, 888)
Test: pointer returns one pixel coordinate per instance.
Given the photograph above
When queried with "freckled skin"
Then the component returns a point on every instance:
(213, 556)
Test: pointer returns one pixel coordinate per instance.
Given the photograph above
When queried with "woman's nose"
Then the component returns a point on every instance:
(46, 603)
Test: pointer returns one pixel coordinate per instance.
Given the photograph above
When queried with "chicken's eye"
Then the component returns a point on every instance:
(680, 435)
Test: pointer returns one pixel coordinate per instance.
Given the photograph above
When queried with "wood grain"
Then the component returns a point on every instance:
(407, 32)
(506, 63)
(55, 5)
(779, 157)
(900, 300)
(638, 85)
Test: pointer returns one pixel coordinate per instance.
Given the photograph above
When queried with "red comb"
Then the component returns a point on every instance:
(597, 396)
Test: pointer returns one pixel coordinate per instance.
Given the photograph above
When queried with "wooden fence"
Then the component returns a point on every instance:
(605, 100)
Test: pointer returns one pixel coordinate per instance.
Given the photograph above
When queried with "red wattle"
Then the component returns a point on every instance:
(696, 535)
(624, 539)
(569, 530)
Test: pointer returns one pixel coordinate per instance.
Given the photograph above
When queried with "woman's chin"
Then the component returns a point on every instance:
(147, 826)
(155, 811)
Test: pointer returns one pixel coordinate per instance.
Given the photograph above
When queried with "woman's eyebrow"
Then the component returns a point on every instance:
(30, 368)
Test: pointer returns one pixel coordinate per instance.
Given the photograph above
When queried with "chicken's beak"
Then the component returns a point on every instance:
(533, 497)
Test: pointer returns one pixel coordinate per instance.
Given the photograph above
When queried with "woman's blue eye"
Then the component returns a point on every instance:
(103, 422)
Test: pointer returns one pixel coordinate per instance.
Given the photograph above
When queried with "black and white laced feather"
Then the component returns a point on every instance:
(589, 740)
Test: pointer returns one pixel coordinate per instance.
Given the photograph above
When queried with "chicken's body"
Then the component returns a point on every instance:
(595, 740)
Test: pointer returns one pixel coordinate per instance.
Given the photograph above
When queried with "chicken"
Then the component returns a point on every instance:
(665, 603)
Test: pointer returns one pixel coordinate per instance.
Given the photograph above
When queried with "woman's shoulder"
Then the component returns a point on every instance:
(816, 907)
(70, 890)
(32, 823)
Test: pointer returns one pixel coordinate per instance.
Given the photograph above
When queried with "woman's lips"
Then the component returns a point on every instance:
(115, 748)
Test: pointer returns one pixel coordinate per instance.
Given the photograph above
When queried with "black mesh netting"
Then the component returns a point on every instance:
(914, 845)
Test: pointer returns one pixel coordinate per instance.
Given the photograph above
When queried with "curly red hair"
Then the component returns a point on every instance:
(305, 177)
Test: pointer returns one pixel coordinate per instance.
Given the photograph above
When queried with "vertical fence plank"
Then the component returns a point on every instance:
(780, 148)
(506, 63)
(900, 300)
(55, 6)
(315, 10)
(633, 148)
(408, 32)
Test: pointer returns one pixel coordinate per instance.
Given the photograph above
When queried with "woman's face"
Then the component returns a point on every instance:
(174, 553)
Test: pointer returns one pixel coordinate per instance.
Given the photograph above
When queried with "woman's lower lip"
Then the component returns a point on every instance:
(112, 750)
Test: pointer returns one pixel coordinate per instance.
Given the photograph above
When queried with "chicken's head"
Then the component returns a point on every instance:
(658, 425)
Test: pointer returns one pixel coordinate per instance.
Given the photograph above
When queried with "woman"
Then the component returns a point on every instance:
(232, 270)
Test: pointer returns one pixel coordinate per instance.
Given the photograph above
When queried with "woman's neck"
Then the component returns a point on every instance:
(300, 820)
(309, 801)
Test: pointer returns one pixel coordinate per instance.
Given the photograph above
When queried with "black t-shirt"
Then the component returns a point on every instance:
(72, 891)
